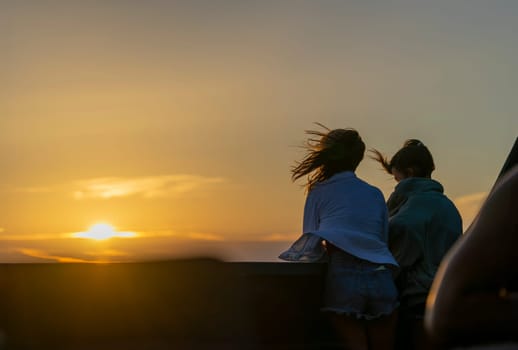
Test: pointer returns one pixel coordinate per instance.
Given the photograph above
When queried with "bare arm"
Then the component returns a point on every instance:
(469, 298)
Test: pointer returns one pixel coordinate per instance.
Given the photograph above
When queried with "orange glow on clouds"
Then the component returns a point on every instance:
(147, 187)
(40, 254)
(469, 206)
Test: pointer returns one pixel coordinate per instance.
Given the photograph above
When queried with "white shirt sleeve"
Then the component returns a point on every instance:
(308, 248)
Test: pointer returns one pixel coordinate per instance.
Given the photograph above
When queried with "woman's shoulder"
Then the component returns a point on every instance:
(369, 187)
(346, 181)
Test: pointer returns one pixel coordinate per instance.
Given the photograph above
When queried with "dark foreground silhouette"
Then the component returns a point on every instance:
(474, 298)
(189, 304)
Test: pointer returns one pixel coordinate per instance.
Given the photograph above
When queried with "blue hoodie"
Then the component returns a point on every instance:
(423, 225)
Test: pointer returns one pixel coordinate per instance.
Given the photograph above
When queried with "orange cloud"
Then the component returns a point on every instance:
(62, 259)
(147, 187)
(205, 236)
(116, 187)
(108, 253)
(280, 237)
(34, 237)
(469, 205)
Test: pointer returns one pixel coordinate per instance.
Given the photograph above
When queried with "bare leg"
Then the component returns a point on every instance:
(381, 332)
(351, 332)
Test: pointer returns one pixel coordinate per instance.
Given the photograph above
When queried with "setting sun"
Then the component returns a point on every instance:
(103, 231)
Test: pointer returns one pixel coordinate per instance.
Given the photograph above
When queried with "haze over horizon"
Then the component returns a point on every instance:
(180, 120)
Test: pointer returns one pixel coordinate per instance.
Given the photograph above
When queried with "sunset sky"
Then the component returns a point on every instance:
(179, 120)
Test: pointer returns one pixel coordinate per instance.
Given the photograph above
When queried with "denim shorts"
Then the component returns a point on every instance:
(359, 288)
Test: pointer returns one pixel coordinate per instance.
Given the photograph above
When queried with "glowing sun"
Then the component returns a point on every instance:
(103, 231)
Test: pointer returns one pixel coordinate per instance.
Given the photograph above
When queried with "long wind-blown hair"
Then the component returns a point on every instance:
(333, 151)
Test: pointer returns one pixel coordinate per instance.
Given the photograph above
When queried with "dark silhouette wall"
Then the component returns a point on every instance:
(193, 304)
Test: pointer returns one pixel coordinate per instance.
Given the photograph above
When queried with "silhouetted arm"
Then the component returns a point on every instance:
(471, 299)
(403, 244)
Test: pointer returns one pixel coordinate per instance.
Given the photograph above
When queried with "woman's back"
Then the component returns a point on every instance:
(423, 225)
(347, 202)
(350, 214)
(351, 217)
(428, 218)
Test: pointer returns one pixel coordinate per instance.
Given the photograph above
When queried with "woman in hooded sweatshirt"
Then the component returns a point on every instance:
(423, 225)
(350, 216)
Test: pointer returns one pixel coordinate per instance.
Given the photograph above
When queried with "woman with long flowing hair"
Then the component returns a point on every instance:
(345, 221)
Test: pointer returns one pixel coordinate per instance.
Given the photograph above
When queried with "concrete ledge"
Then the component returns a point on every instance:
(194, 303)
